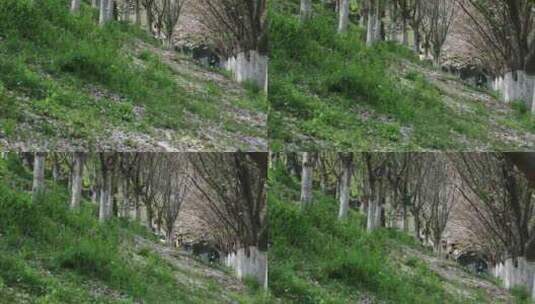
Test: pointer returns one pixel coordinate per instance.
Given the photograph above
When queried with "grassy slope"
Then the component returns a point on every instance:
(329, 90)
(317, 259)
(49, 254)
(65, 79)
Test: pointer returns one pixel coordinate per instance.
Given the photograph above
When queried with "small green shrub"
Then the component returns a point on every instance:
(519, 107)
(521, 295)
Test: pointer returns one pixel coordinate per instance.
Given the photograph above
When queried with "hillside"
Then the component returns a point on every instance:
(51, 254)
(68, 84)
(316, 258)
(331, 91)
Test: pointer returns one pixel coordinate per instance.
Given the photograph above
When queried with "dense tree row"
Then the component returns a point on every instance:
(237, 29)
(227, 188)
(488, 194)
(500, 31)
(429, 21)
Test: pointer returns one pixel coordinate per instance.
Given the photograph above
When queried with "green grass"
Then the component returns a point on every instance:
(315, 258)
(50, 254)
(51, 62)
(335, 92)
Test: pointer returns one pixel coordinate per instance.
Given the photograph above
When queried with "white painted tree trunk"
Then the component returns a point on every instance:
(345, 185)
(105, 197)
(122, 186)
(371, 220)
(103, 14)
(511, 276)
(77, 174)
(38, 185)
(305, 11)
(373, 31)
(249, 66)
(343, 16)
(405, 34)
(306, 179)
(75, 5)
(110, 10)
(254, 265)
(138, 12)
(521, 89)
(106, 11)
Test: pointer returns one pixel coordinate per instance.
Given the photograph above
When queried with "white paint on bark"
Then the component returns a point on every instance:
(254, 265)
(345, 185)
(343, 16)
(105, 11)
(38, 174)
(373, 30)
(77, 173)
(249, 66)
(511, 276)
(306, 179)
(373, 215)
(75, 5)
(523, 88)
(305, 11)
(105, 198)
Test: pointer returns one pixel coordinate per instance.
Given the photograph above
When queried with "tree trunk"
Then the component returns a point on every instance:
(436, 60)
(137, 214)
(343, 16)
(55, 170)
(75, 5)
(103, 12)
(110, 10)
(417, 226)
(150, 216)
(105, 210)
(126, 11)
(405, 37)
(306, 179)
(138, 12)
(416, 40)
(371, 223)
(405, 224)
(345, 185)
(169, 237)
(249, 66)
(374, 24)
(148, 13)
(38, 174)
(305, 10)
(250, 262)
(95, 3)
(76, 190)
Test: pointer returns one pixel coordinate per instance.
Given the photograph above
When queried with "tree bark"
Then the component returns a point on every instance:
(372, 215)
(305, 10)
(75, 5)
(345, 185)
(306, 179)
(374, 23)
(416, 45)
(105, 210)
(138, 12)
(343, 16)
(77, 174)
(405, 37)
(103, 12)
(38, 174)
